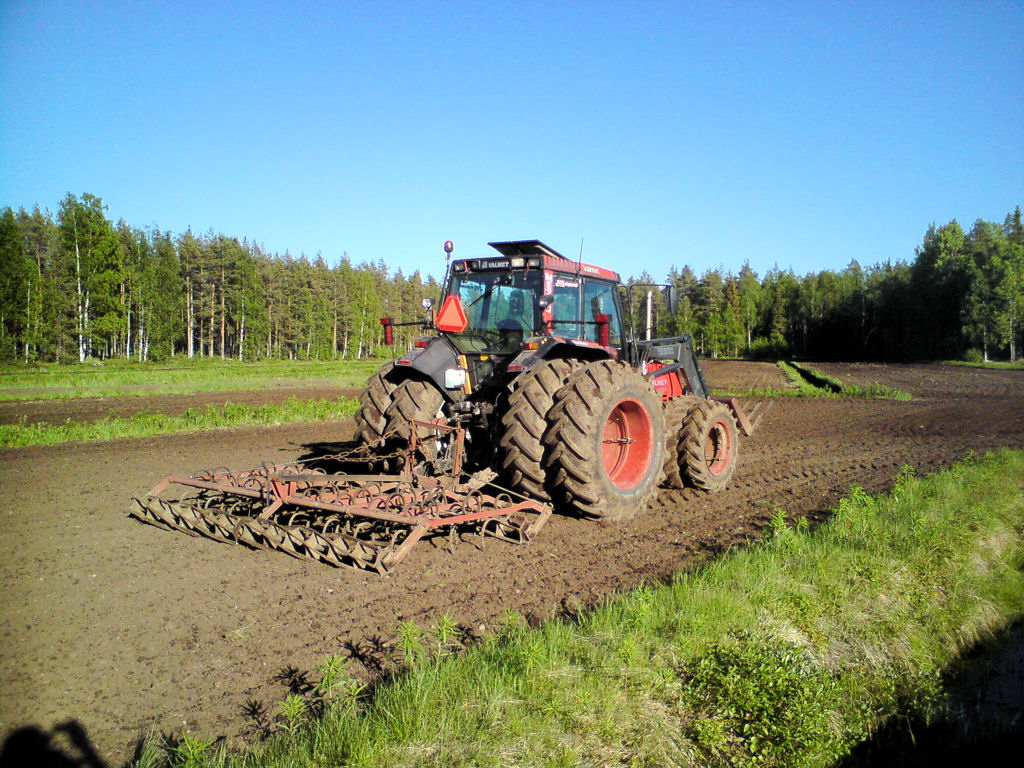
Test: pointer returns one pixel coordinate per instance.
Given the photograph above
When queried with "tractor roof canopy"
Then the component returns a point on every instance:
(546, 257)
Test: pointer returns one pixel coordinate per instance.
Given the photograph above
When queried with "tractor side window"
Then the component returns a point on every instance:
(566, 309)
(599, 299)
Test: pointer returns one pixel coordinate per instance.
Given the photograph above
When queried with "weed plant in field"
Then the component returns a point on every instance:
(786, 653)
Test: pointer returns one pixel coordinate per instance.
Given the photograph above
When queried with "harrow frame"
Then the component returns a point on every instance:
(369, 521)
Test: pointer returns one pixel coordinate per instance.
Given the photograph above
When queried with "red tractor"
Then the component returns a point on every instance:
(553, 389)
(533, 392)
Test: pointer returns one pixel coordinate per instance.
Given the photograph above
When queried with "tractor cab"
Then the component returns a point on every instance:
(530, 291)
(504, 314)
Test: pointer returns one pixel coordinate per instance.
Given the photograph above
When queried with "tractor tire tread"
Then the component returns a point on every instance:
(374, 402)
(524, 423)
(573, 462)
(413, 400)
(676, 412)
(692, 441)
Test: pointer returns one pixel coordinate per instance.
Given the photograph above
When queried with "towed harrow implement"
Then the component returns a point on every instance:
(367, 521)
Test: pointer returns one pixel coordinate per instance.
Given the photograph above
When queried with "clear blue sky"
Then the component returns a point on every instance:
(797, 134)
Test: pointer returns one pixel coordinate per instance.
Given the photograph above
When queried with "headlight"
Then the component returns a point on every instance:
(455, 378)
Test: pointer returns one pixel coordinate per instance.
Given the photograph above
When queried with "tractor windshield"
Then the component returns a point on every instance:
(501, 307)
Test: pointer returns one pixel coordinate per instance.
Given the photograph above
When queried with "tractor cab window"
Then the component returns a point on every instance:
(566, 309)
(501, 308)
(599, 298)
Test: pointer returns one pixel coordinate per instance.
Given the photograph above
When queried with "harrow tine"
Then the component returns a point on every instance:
(370, 522)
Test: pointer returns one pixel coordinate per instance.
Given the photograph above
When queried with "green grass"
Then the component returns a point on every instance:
(805, 381)
(1017, 365)
(785, 653)
(147, 424)
(798, 386)
(830, 385)
(180, 376)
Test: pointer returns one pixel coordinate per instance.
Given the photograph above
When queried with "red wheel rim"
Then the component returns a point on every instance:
(627, 444)
(718, 448)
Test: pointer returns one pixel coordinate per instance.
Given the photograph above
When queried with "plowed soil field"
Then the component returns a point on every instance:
(118, 627)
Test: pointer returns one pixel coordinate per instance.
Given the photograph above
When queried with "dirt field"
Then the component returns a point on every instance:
(119, 627)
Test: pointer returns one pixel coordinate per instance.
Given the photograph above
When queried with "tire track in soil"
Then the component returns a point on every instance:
(119, 625)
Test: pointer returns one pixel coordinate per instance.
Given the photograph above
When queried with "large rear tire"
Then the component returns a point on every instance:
(415, 400)
(606, 441)
(373, 403)
(524, 423)
(710, 446)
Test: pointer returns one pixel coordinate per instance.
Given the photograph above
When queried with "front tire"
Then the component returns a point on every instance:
(606, 441)
(710, 446)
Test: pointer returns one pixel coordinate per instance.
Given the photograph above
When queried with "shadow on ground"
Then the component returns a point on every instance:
(66, 746)
(984, 724)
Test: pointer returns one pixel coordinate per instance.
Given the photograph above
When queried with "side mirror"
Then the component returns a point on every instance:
(671, 294)
(546, 300)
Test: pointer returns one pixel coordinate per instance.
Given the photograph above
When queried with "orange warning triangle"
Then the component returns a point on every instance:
(452, 317)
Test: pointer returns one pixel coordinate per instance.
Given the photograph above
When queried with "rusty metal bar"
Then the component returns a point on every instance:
(369, 521)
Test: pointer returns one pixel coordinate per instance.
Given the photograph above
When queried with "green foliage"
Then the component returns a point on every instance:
(191, 751)
(410, 638)
(293, 711)
(812, 382)
(77, 287)
(767, 350)
(333, 673)
(445, 636)
(769, 703)
(973, 355)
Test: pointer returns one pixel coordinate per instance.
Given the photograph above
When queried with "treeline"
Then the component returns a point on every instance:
(76, 286)
(961, 296)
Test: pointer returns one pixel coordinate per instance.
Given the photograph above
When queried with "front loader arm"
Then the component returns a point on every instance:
(680, 356)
